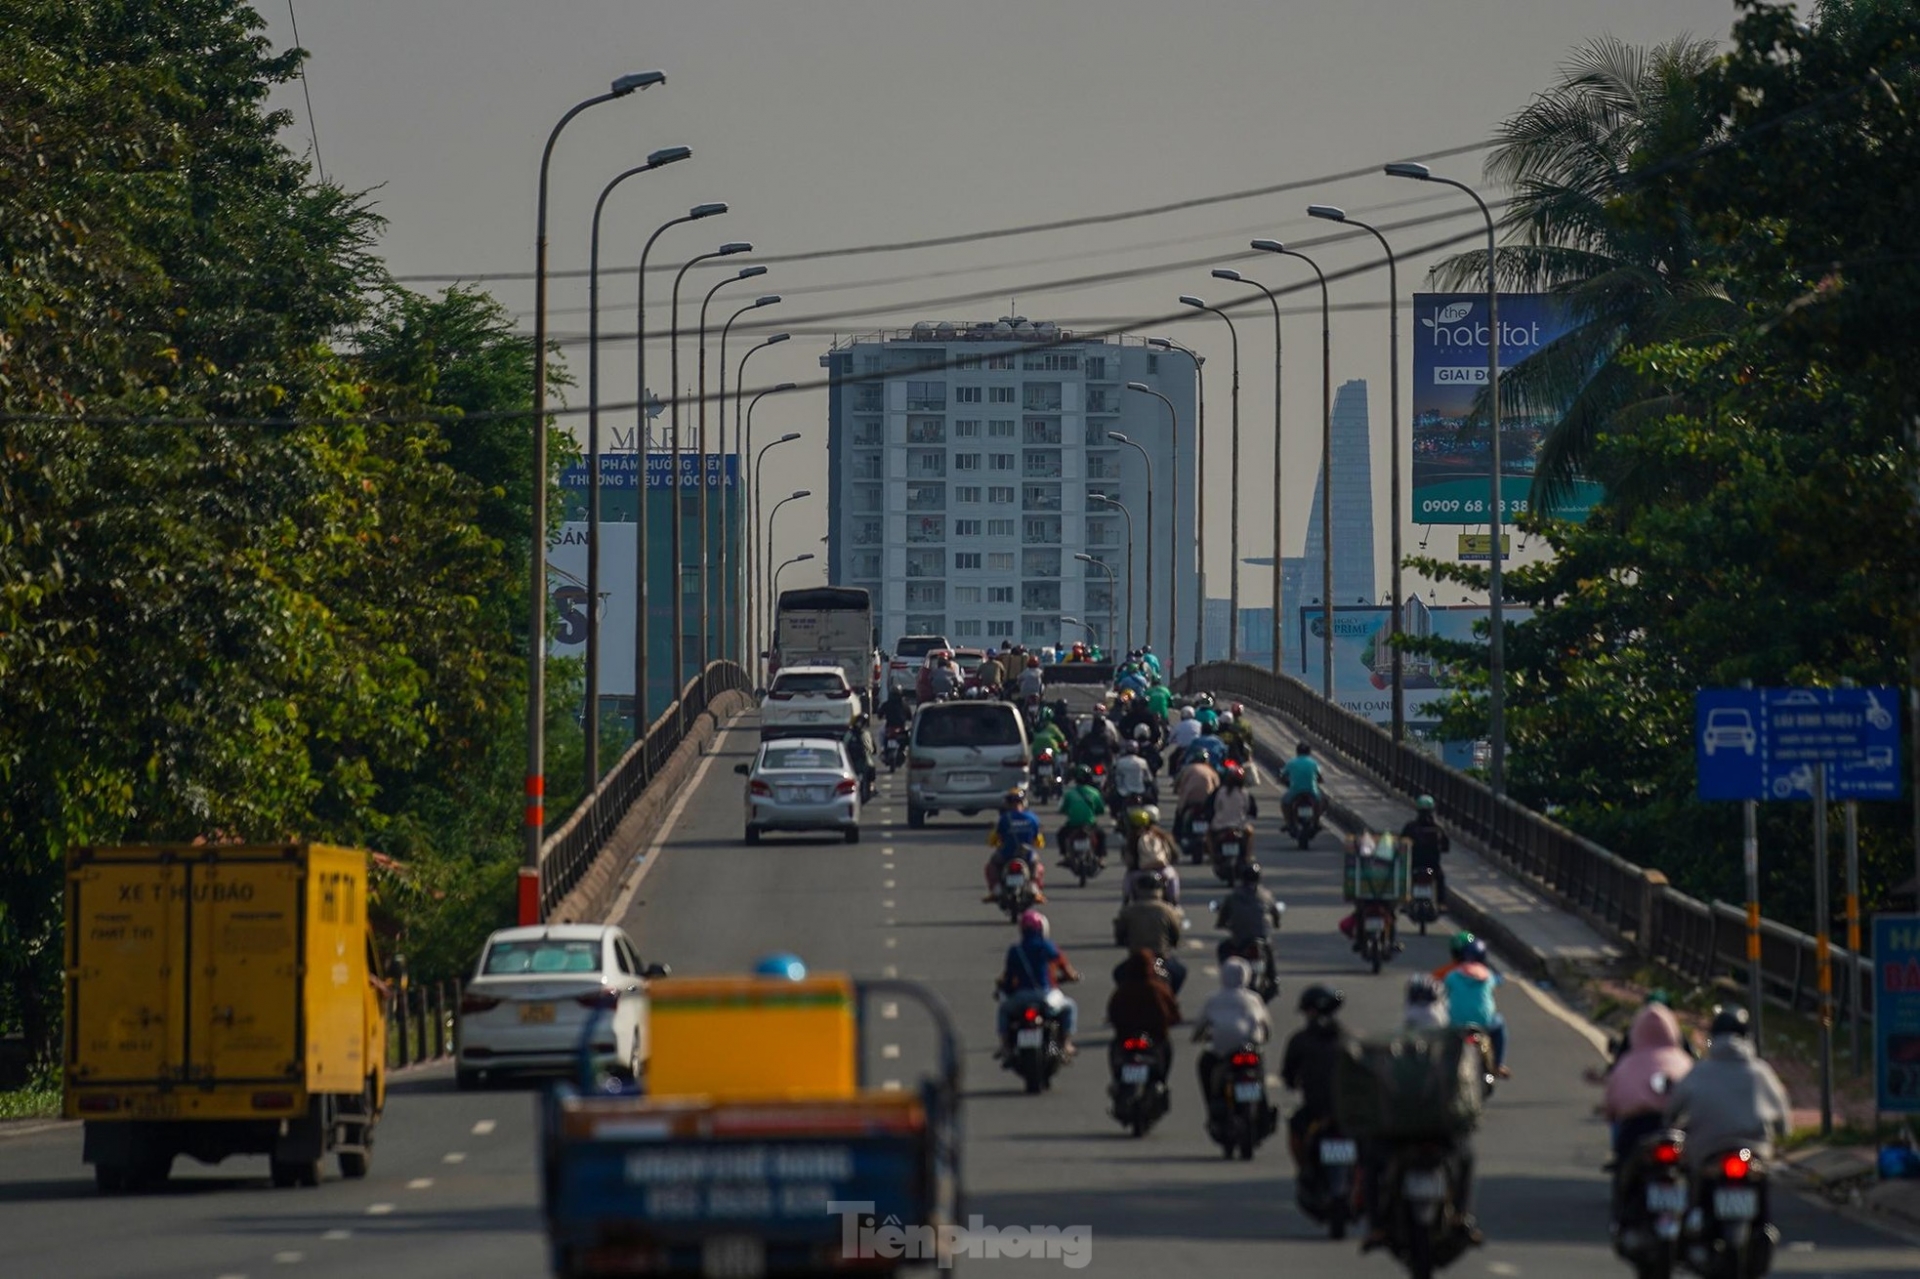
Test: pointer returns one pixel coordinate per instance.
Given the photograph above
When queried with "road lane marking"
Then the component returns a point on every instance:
(664, 832)
(889, 1012)
(890, 971)
(892, 942)
(484, 1128)
(1273, 1081)
(289, 1258)
(232, 1277)
(886, 852)
(886, 903)
(335, 1235)
(890, 1085)
(1211, 971)
(379, 1210)
(1196, 945)
(890, 1050)
(1502, 1268)
(420, 1183)
(886, 883)
(454, 1157)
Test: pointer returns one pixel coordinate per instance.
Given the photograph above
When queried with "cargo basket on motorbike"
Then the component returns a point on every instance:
(1379, 872)
(1413, 1085)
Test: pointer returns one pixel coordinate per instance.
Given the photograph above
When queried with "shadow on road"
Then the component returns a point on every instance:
(82, 1187)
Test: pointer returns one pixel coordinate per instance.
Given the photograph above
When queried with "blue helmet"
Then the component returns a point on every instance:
(781, 965)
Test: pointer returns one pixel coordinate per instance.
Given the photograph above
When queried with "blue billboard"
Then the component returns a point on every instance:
(1451, 457)
(1896, 1013)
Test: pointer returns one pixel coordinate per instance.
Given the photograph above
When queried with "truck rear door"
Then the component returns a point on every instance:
(127, 956)
(244, 992)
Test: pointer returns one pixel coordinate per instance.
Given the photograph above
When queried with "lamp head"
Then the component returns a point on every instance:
(1115, 435)
(776, 339)
(766, 300)
(790, 435)
(1331, 212)
(706, 210)
(797, 494)
(667, 155)
(637, 80)
(1081, 555)
(1162, 343)
(732, 247)
(749, 272)
(1268, 246)
(1187, 299)
(787, 386)
(1142, 387)
(804, 555)
(1099, 497)
(1408, 169)
(1222, 273)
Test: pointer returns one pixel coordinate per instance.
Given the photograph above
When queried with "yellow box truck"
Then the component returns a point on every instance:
(222, 1000)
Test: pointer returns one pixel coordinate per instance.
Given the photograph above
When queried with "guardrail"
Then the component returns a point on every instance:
(1629, 903)
(420, 1023)
(571, 846)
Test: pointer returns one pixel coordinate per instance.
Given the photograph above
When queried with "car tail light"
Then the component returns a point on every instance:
(1138, 1044)
(846, 786)
(1737, 1165)
(920, 763)
(757, 787)
(598, 999)
(1014, 761)
(99, 1105)
(1244, 1059)
(471, 1003)
(1666, 1154)
(273, 1101)
(1030, 1015)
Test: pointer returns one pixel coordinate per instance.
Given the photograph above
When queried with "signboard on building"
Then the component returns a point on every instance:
(1451, 457)
(1766, 743)
(1896, 1013)
(1479, 546)
(1363, 659)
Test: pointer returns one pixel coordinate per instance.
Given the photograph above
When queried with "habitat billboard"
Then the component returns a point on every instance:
(1451, 459)
(1363, 657)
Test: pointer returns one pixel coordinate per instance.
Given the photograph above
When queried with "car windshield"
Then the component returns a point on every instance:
(823, 682)
(512, 958)
(919, 645)
(968, 726)
(969, 662)
(778, 758)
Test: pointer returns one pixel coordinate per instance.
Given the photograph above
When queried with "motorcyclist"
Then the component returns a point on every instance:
(1230, 810)
(1143, 1003)
(1181, 736)
(1208, 746)
(1470, 983)
(944, 679)
(895, 712)
(1015, 835)
(991, 674)
(1427, 842)
(1425, 1010)
(1159, 698)
(1634, 1107)
(1143, 742)
(1140, 714)
(1035, 964)
(1048, 736)
(860, 752)
(1232, 1016)
(1249, 914)
(1149, 848)
(1149, 923)
(1196, 785)
(1237, 735)
(1147, 656)
(1302, 775)
(1426, 1004)
(1732, 1098)
(1132, 778)
(1308, 1063)
(1032, 680)
(1082, 807)
(1099, 743)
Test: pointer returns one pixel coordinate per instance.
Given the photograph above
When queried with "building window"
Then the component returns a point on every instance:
(866, 532)
(999, 528)
(965, 493)
(1000, 361)
(997, 629)
(1043, 529)
(926, 463)
(966, 595)
(966, 395)
(926, 563)
(966, 461)
(1043, 397)
(926, 497)
(926, 430)
(1040, 628)
(966, 362)
(1000, 496)
(928, 396)
(966, 559)
(966, 528)
(1153, 364)
(1000, 395)
(1097, 368)
(1043, 430)
(966, 428)
(1041, 497)
(866, 563)
(967, 628)
(1000, 561)
(927, 528)
(927, 594)
(1003, 461)
(999, 595)
(1001, 428)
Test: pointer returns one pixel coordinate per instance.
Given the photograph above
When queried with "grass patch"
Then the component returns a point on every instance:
(39, 1099)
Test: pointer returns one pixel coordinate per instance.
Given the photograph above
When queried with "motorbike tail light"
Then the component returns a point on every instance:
(1244, 1060)
(1666, 1154)
(1099, 770)
(845, 786)
(1045, 757)
(1030, 1015)
(921, 763)
(1737, 1165)
(1138, 1044)
(757, 787)
(472, 1003)
(598, 999)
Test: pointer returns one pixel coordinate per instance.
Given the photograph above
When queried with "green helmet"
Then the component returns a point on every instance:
(1424, 804)
(1461, 940)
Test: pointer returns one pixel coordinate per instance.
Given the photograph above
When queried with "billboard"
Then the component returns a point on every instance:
(567, 583)
(1363, 659)
(1450, 462)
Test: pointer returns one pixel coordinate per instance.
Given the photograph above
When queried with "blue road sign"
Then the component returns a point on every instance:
(1767, 743)
(1896, 1013)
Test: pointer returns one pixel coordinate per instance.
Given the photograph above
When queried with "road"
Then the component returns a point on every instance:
(452, 1191)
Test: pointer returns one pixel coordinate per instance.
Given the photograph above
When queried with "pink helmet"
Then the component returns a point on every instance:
(1031, 922)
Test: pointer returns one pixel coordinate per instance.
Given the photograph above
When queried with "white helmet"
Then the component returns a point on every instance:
(1186, 712)
(1226, 717)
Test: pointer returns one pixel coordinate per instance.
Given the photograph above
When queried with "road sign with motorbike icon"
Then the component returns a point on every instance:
(1768, 743)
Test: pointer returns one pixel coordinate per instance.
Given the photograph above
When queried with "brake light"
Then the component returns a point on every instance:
(1244, 1059)
(1030, 1015)
(1046, 757)
(1138, 1044)
(471, 1003)
(273, 1101)
(99, 1105)
(1737, 1165)
(1666, 1154)
(845, 786)
(1099, 770)
(758, 787)
(598, 999)
(920, 763)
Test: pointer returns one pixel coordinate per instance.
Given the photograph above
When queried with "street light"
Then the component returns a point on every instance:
(1326, 455)
(1233, 480)
(1121, 507)
(1173, 435)
(1200, 525)
(535, 816)
(1332, 213)
(1496, 647)
(754, 565)
(730, 638)
(772, 515)
(801, 558)
(1112, 589)
(659, 159)
(678, 534)
(642, 720)
(707, 603)
(1088, 627)
(1278, 576)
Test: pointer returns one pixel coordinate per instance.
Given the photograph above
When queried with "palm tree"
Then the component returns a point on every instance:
(1589, 163)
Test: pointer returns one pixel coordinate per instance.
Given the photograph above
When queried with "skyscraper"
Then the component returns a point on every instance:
(1353, 568)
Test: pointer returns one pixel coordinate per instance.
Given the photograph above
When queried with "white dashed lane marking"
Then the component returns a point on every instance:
(334, 1236)
(289, 1258)
(890, 1051)
(379, 1210)
(890, 971)
(889, 1012)
(890, 1085)
(454, 1157)
(420, 1183)
(483, 1128)
(887, 903)
(892, 942)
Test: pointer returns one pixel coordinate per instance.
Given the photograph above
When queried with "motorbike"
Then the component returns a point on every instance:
(1080, 851)
(1139, 1087)
(1259, 955)
(1017, 891)
(1048, 781)
(1303, 822)
(1375, 927)
(1191, 835)
(893, 752)
(1230, 848)
(1039, 1041)
(1240, 1115)
(1122, 803)
(1421, 1198)
(1424, 909)
(1649, 1205)
(1324, 1186)
(1482, 1045)
(1728, 1232)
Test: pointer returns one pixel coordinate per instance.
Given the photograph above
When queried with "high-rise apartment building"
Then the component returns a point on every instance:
(963, 460)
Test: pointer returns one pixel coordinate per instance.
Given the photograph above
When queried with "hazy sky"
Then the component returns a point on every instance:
(834, 123)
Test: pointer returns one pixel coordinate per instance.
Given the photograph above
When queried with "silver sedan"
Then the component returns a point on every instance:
(802, 784)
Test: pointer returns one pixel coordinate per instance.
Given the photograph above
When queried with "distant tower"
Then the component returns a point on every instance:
(1352, 522)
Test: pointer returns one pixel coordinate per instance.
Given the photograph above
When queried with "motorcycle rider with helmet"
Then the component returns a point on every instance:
(1248, 913)
(1099, 743)
(1143, 743)
(1149, 849)
(1427, 842)
(1131, 779)
(1032, 681)
(1231, 810)
(1308, 1063)
(1194, 787)
(1302, 775)
(1082, 806)
(1182, 735)
(1015, 835)
(1469, 981)
(1732, 1098)
(1231, 1017)
(1148, 922)
(1143, 1003)
(1035, 965)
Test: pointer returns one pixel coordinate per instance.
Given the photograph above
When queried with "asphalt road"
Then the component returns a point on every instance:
(452, 1190)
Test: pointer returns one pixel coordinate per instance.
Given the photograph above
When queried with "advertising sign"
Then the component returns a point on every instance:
(567, 582)
(1450, 460)
(1896, 1013)
(1363, 660)
(1765, 743)
(1479, 546)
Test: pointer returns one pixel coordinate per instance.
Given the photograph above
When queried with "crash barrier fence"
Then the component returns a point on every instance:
(570, 847)
(420, 1023)
(1631, 904)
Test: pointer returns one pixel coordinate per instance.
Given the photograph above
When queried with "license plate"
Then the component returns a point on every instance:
(1016, 881)
(1375, 924)
(1028, 1038)
(1135, 1072)
(1248, 1091)
(1736, 1203)
(1424, 1186)
(536, 1014)
(1666, 1198)
(784, 794)
(968, 781)
(1339, 1154)
(1423, 892)
(816, 794)
(157, 1106)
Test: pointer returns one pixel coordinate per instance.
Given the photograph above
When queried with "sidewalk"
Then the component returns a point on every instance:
(1847, 1175)
(1534, 934)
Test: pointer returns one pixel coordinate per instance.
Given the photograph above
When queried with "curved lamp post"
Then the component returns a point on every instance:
(1112, 588)
(730, 635)
(756, 568)
(801, 558)
(1092, 632)
(707, 602)
(1233, 482)
(773, 600)
(1199, 485)
(1121, 507)
(1173, 431)
(1278, 574)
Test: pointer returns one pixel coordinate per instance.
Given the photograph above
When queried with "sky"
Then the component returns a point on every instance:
(827, 124)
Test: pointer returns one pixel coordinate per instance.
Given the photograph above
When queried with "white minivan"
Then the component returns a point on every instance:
(963, 755)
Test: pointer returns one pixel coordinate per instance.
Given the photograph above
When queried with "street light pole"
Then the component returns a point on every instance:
(1088, 627)
(535, 815)
(1102, 497)
(730, 635)
(1278, 574)
(755, 568)
(1233, 504)
(1496, 624)
(665, 156)
(1146, 459)
(1326, 460)
(708, 635)
(801, 558)
(1333, 214)
(1112, 590)
(1199, 510)
(773, 599)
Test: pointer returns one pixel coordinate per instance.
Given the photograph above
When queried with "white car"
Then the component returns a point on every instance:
(801, 784)
(533, 992)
